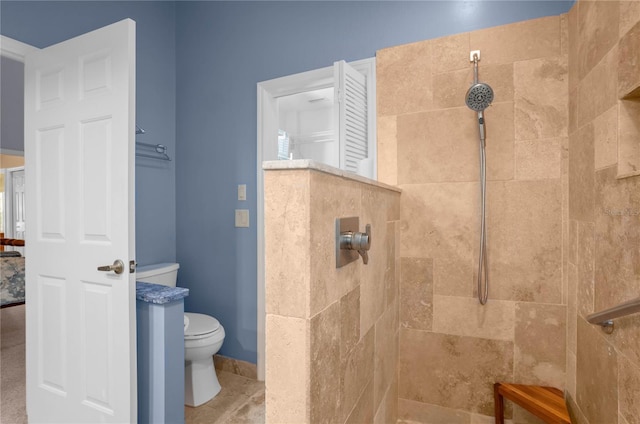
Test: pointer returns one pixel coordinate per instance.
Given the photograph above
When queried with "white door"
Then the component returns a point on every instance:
(79, 151)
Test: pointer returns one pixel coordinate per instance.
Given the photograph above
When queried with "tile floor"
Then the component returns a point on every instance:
(241, 401)
(12, 370)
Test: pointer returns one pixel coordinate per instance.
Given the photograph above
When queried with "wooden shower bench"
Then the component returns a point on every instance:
(546, 403)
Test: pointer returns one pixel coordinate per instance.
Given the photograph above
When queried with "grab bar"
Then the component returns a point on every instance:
(605, 318)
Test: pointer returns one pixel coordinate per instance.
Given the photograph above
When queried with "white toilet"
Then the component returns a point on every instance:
(203, 337)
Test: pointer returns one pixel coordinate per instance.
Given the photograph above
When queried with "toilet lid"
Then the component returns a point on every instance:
(199, 324)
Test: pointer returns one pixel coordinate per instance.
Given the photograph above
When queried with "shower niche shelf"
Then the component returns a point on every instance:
(628, 137)
(629, 103)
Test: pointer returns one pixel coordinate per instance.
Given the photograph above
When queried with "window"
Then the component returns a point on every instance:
(328, 115)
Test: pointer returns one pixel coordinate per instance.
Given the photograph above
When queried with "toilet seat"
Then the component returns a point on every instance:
(200, 326)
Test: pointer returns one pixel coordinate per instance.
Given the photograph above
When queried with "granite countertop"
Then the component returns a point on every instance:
(159, 294)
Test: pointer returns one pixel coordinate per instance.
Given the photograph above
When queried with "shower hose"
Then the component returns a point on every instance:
(483, 262)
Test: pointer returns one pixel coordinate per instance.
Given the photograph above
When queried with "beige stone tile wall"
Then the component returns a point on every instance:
(332, 333)
(603, 261)
(452, 349)
(404, 337)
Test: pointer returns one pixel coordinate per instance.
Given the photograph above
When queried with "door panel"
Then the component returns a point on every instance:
(97, 341)
(79, 149)
(50, 188)
(95, 176)
(52, 364)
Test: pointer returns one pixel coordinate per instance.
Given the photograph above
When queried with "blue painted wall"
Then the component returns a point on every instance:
(12, 104)
(198, 66)
(45, 23)
(224, 49)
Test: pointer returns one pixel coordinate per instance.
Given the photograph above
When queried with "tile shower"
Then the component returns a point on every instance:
(563, 153)
(452, 349)
(332, 333)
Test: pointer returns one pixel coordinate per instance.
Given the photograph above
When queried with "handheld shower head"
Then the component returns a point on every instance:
(479, 96)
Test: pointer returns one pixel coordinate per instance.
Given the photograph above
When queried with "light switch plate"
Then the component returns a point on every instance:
(242, 218)
(242, 192)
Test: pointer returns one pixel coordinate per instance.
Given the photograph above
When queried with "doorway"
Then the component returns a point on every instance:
(12, 53)
(12, 222)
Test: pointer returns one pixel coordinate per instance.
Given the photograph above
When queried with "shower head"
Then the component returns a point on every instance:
(479, 96)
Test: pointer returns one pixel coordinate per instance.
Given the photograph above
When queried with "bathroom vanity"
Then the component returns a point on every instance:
(160, 337)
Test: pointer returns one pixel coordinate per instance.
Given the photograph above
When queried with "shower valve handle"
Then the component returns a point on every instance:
(365, 256)
(357, 241)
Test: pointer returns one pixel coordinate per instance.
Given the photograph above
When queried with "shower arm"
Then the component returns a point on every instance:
(475, 68)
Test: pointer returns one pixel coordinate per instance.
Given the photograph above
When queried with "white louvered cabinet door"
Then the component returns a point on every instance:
(351, 116)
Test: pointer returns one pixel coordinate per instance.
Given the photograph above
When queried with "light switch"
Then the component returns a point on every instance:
(242, 192)
(242, 217)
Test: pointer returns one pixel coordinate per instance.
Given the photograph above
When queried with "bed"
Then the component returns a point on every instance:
(12, 267)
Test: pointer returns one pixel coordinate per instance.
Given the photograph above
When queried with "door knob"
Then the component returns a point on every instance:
(117, 267)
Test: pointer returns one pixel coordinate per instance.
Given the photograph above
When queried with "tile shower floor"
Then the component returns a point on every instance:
(241, 401)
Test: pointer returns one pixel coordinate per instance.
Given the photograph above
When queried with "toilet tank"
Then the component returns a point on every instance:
(165, 274)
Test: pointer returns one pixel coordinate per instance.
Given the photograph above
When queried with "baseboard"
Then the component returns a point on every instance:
(236, 366)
